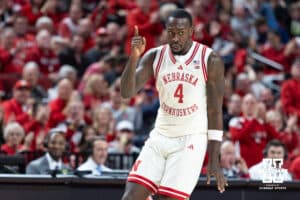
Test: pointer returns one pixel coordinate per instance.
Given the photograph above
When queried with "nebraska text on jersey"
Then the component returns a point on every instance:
(180, 76)
(179, 111)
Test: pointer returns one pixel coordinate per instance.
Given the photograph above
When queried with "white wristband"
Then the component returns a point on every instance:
(215, 135)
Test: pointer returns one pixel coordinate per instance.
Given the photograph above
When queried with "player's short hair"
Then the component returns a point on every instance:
(181, 13)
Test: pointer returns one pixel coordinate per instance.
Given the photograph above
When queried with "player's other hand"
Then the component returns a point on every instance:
(138, 44)
(220, 179)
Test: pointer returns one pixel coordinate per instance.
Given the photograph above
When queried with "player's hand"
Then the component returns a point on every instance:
(138, 44)
(220, 179)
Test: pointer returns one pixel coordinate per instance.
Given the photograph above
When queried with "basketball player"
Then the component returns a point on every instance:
(190, 80)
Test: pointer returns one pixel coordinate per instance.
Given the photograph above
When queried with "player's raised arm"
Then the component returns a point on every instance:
(133, 77)
(215, 92)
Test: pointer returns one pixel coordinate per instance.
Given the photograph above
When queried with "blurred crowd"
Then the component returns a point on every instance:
(60, 67)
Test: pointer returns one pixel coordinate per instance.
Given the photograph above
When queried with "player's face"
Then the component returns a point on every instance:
(179, 34)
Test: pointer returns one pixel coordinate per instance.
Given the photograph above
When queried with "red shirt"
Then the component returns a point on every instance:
(67, 28)
(90, 101)
(35, 127)
(56, 112)
(290, 95)
(88, 44)
(295, 168)
(47, 60)
(5, 58)
(146, 29)
(12, 107)
(252, 137)
(23, 43)
(30, 15)
(10, 150)
(277, 56)
(240, 60)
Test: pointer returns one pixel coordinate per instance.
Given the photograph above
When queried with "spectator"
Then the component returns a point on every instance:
(74, 123)
(65, 72)
(250, 131)
(57, 106)
(31, 74)
(260, 85)
(43, 55)
(89, 133)
(242, 84)
(38, 126)
(13, 136)
(69, 26)
(266, 96)
(98, 155)
(24, 41)
(103, 123)
(116, 71)
(274, 50)
(121, 109)
(52, 160)
(290, 92)
(85, 30)
(74, 55)
(32, 10)
(242, 22)
(273, 150)
(96, 92)
(51, 9)
(116, 32)
(232, 166)
(18, 108)
(148, 22)
(124, 139)
(102, 46)
(288, 131)
(262, 32)
(7, 51)
(103, 66)
(46, 23)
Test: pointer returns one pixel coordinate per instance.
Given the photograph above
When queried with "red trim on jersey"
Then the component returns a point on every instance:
(143, 181)
(188, 61)
(173, 59)
(203, 63)
(172, 193)
(161, 55)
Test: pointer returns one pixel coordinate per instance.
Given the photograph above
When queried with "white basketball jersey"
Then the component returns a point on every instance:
(181, 84)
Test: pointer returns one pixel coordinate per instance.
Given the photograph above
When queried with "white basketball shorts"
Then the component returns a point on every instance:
(170, 166)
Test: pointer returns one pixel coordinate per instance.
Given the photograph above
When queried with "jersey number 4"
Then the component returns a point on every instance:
(179, 93)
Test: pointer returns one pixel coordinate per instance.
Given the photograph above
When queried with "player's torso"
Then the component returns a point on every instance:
(181, 83)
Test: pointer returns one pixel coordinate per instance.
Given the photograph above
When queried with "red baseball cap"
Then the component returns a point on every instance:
(101, 31)
(22, 84)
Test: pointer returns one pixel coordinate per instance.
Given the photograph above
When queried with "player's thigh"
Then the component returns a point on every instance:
(149, 166)
(183, 168)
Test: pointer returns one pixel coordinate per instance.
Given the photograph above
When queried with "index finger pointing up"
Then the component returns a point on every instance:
(136, 30)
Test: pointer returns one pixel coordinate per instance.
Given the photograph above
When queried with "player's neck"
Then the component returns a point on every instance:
(188, 47)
